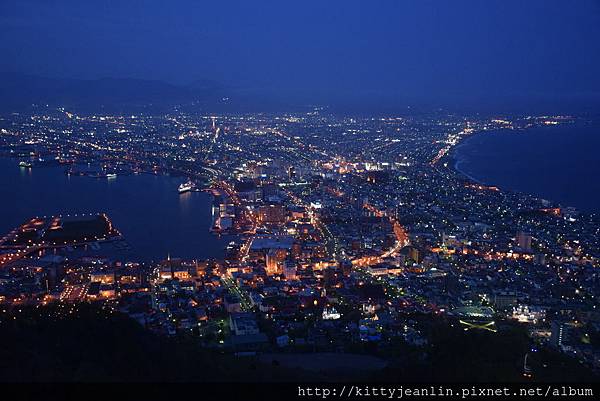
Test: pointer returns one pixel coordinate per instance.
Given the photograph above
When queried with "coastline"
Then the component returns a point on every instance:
(455, 166)
(454, 161)
(546, 163)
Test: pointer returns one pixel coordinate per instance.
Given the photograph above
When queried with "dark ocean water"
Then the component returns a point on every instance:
(146, 209)
(559, 163)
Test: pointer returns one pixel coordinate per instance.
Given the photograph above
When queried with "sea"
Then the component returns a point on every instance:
(560, 163)
(147, 209)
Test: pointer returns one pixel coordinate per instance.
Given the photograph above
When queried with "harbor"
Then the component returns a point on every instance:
(146, 208)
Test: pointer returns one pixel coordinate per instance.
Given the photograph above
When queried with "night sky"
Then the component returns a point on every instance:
(453, 51)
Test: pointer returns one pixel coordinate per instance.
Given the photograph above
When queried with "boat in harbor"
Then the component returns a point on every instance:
(187, 187)
(25, 164)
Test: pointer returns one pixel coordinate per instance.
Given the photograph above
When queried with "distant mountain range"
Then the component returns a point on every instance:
(19, 92)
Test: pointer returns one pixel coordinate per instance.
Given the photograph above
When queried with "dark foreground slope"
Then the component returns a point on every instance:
(90, 343)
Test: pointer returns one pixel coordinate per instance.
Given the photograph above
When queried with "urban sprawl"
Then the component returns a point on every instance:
(344, 231)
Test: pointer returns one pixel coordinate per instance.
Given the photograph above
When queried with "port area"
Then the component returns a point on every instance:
(41, 234)
(227, 216)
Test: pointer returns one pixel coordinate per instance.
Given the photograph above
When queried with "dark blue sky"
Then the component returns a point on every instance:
(412, 50)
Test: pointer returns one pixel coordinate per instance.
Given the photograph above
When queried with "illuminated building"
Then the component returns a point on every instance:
(274, 260)
(272, 214)
(330, 314)
(559, 333)
(103, 277)
(528, 314)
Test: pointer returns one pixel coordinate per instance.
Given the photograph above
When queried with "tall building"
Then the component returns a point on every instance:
(289, 270)
(559, 333)
(505, 300)
(274, 261)
(411, 252)
(524, 241)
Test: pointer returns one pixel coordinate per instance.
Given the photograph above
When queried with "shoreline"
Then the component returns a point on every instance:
(454, 162)
(457, 169)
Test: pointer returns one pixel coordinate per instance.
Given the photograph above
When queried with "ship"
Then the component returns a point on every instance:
(25, 164)
(186, 187)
